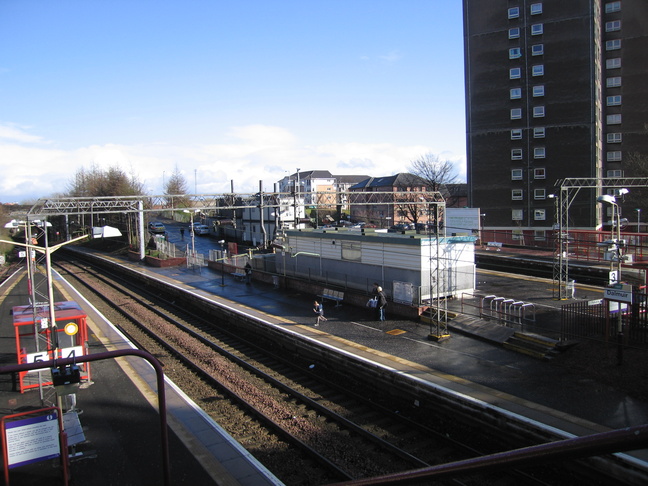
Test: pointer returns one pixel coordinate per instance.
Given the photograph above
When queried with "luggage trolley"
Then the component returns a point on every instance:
(35, 340)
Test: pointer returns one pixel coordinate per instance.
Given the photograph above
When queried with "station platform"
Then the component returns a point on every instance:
(547, 396)
(118, 413)
(401, 343)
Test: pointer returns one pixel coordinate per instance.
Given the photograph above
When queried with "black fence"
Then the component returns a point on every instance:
(599, 319)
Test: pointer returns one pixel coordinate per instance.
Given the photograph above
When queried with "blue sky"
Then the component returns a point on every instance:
(238, 90)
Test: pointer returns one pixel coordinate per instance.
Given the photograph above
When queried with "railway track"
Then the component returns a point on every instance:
(304, 422)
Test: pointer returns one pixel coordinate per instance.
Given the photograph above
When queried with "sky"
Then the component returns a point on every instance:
(229, 92)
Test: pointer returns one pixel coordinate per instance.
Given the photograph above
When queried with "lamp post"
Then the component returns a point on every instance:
(222, 259)
(638, 220)
(193, 237)
(617, 245)
(193, 233)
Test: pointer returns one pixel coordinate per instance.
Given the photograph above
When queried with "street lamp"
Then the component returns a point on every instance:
(617, 245)
(222, 259)
(638, 220)
(193, 233)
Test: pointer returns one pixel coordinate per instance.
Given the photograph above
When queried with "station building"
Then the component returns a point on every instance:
(413, 268)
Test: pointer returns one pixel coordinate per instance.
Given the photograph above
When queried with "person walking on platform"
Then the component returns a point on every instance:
(248, 273)
(373, 301)
(318, 309)
(382, 303)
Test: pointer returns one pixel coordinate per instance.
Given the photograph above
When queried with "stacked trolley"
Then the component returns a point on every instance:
(38, 340)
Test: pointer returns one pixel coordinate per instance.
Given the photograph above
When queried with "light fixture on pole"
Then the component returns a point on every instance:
(193, 233)
(222, 259)
(638, 220)
(616, 246)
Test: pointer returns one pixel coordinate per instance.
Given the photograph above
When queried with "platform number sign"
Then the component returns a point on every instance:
(70, 352)
(614, 277)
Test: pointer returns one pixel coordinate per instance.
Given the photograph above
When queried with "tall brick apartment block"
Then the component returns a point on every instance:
(554, 89)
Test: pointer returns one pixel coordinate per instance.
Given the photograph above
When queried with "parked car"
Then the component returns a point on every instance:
(156, 227)
(201, 229)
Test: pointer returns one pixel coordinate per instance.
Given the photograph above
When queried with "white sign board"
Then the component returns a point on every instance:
(618, 294)
(33, 439)
(462, 221)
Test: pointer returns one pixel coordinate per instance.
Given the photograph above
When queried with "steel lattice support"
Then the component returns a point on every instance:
(568, 190)
(206, 202)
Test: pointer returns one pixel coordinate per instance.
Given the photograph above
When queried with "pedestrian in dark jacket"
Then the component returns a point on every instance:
(248, 273)
(373, 301)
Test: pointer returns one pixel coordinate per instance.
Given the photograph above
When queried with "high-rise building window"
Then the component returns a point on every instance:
(537, 70)
(513, 12)
(516, 154)
(614, 156)
(539, 173)
(612, 26)
(539, 194)
(614, 63)
(539, 132)
(517, 214)
(516, 134)
(613, 119)
(537, 50)
(540, 214)
(538, 111)
(515, 73)
(536, 8)
(516, 113)
(613, 45)
(516, 174)
(611, 7)
(613, 82)
(614, 138)
(613, 100)
(515, 52)
(516, 93)
(537, 29)
(539, 153)
(538, 90)
(514, 33)
(516, 194)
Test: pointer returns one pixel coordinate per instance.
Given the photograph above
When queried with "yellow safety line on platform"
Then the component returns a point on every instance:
(11, 287)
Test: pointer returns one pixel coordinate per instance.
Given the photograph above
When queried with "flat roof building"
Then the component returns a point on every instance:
(411, 267)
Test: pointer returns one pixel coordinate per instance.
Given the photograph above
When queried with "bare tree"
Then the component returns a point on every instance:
(97, 182)
(435, 172)
(176, 189)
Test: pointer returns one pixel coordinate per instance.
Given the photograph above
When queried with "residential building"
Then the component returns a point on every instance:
(393, 212)
(554, 89)
(320, 193)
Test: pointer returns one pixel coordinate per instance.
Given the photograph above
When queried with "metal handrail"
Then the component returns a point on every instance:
(631, 438)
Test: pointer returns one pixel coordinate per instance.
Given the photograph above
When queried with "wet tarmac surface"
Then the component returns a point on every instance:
(461, 355)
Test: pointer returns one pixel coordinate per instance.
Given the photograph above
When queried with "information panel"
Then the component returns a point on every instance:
(32, 439)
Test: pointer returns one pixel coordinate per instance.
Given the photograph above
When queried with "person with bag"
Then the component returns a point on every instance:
(372, 303)
(318, 308)
(382, 303)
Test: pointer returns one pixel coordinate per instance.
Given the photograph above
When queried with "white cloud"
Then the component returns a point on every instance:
(9, 132)
(249, 154)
